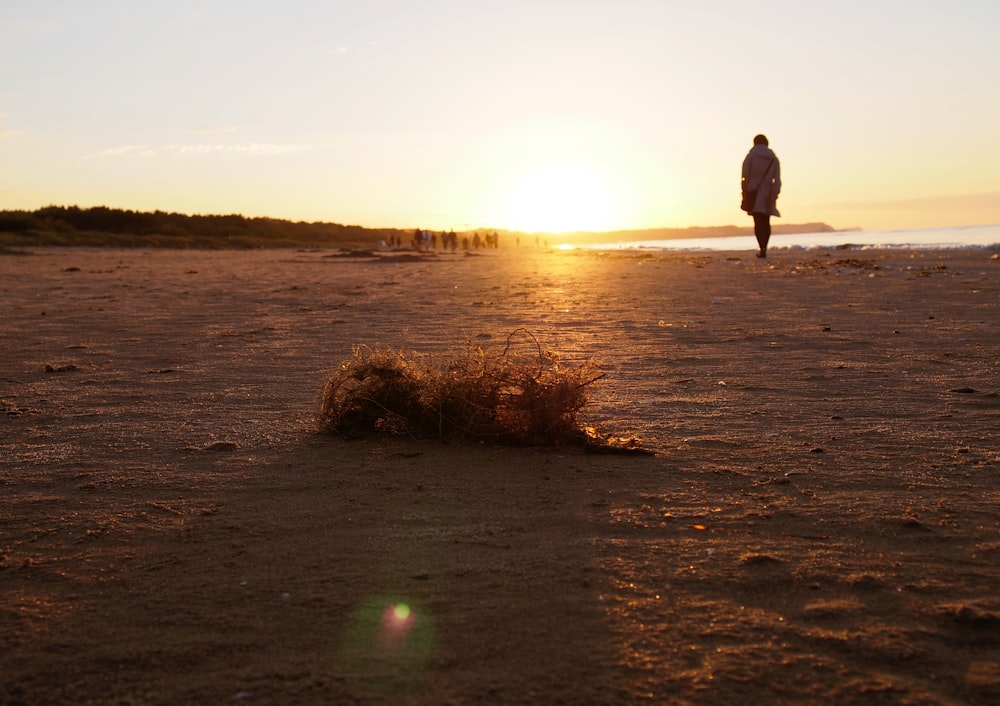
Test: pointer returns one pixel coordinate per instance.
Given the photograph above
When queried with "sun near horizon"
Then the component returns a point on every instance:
(561, 198)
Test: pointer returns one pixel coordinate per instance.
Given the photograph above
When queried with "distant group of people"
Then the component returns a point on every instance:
(426, 241)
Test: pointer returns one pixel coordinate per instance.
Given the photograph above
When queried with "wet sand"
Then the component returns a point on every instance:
(819, 523)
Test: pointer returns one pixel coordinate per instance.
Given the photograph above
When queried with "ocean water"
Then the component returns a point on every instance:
(969, 237)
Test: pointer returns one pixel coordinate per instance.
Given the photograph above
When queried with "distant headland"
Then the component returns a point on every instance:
(111, 227)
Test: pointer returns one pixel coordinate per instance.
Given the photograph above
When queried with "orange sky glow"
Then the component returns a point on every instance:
(536, 116)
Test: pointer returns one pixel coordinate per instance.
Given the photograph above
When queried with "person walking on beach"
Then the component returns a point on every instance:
(761, 184)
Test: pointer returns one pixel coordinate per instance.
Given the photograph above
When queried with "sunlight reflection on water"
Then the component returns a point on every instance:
(929, 238)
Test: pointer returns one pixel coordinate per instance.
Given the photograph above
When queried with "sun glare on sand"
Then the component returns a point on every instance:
(560, 198)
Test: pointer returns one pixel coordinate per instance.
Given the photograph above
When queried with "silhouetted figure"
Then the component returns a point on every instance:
(761, 184)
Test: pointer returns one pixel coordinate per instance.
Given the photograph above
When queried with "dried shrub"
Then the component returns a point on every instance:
(508, 395)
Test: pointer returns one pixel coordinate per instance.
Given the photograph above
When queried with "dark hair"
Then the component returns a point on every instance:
(760, 140)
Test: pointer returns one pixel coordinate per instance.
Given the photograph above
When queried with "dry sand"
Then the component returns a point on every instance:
(820, 523)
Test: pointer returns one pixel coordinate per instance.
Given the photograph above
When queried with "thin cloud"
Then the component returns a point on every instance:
(253, 148)
(224, 130)
(7, 133)
(125, 151)
(348, 49)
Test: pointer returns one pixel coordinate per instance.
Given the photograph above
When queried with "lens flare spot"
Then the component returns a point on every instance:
(387, 645)
(397, 622)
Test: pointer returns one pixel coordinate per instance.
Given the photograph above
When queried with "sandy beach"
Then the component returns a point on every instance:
(819, 523)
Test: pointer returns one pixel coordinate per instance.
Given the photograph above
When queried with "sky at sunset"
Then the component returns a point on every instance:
(522, 114)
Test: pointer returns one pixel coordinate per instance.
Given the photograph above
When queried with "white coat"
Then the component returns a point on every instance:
(762, 171)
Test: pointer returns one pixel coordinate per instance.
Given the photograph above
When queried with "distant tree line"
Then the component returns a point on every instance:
(114, 227)
(102, 226)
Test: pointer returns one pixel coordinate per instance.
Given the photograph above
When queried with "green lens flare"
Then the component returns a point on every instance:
(387, 646)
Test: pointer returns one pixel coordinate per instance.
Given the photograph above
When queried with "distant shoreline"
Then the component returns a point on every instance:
(647, 234)
(70, 226)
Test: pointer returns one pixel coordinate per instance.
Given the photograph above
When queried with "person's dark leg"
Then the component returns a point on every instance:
(762, 229)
